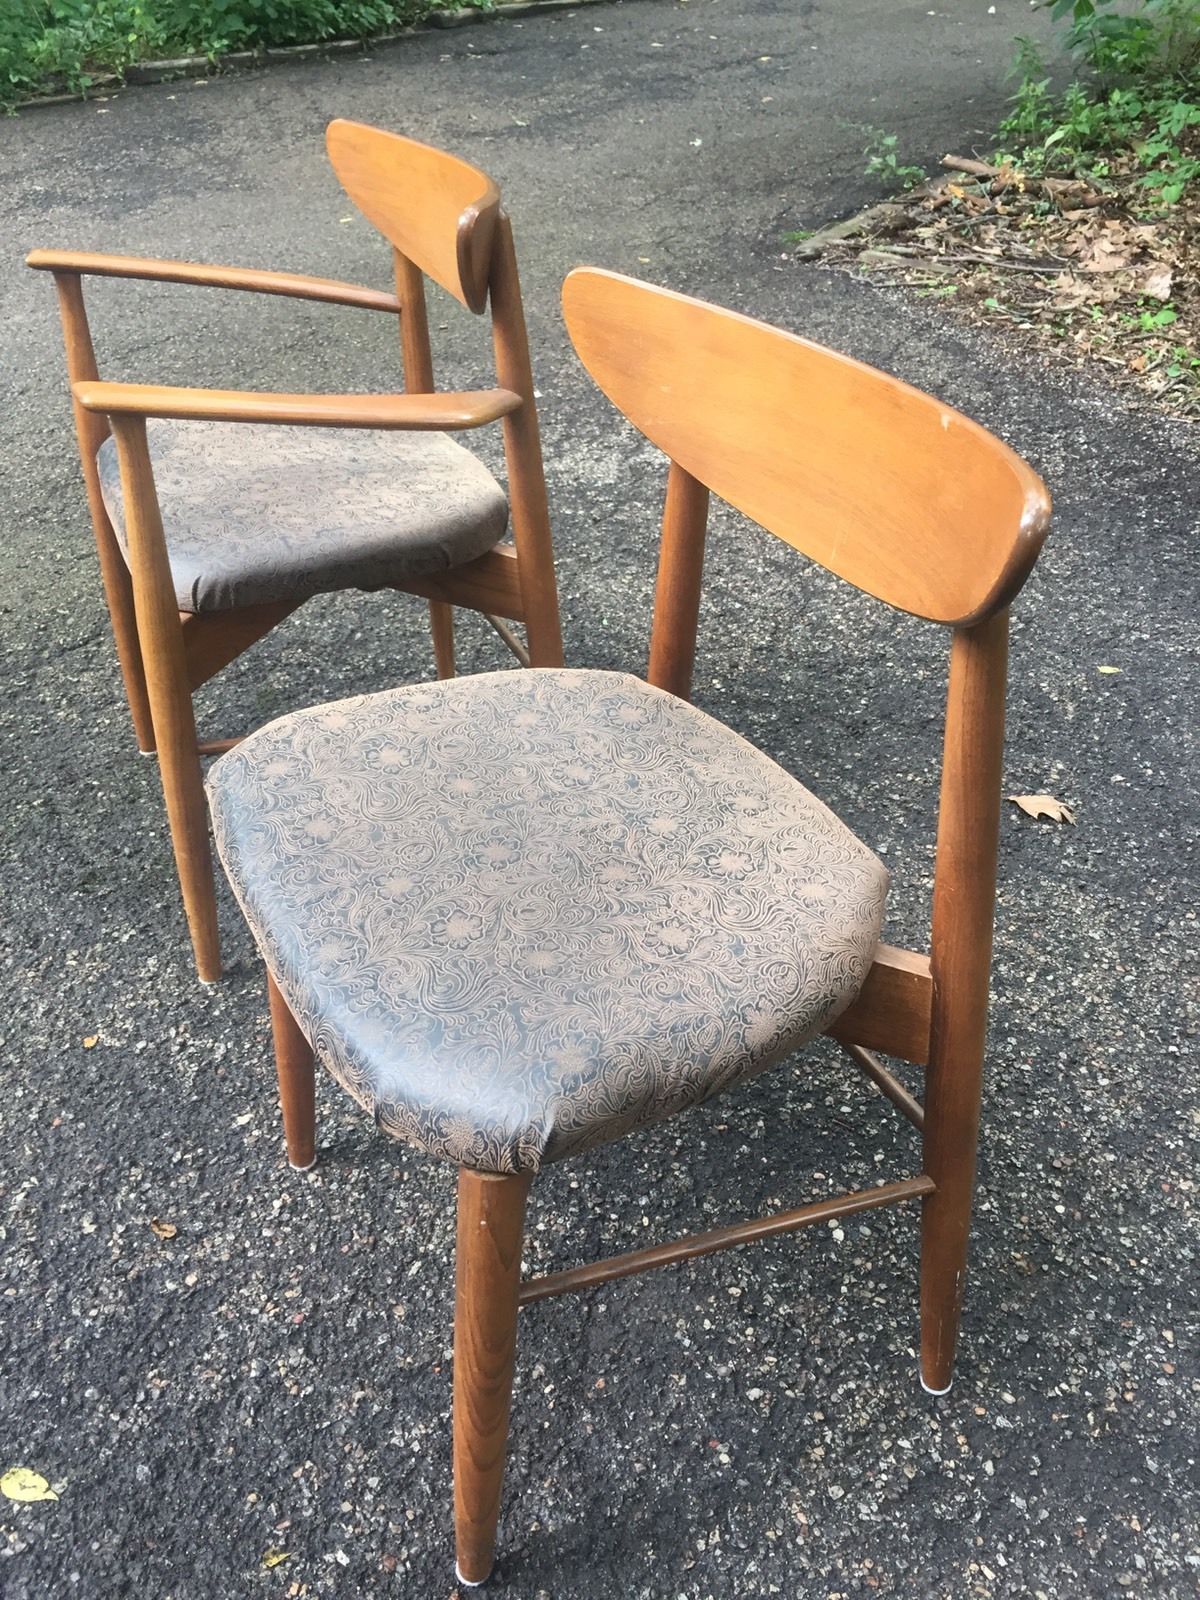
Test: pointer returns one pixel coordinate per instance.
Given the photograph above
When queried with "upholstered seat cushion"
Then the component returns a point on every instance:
(254, 513)
(523, 913)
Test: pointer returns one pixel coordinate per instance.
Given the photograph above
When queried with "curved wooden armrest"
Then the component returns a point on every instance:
(294, 284)
(421, 412)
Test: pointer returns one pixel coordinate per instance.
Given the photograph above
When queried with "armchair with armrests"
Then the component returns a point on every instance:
(217, 513)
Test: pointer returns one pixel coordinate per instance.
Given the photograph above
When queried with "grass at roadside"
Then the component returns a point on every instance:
(1080, 229)
(53, 46)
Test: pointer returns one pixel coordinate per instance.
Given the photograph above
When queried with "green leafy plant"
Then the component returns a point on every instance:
(47, 45)
(883, 161)
(1137, 95)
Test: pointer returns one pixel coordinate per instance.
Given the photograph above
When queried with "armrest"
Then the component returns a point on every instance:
(422, 412)
(294, 284)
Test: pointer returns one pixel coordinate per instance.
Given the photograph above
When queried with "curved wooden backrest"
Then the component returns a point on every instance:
(883, 485)
(434, 208)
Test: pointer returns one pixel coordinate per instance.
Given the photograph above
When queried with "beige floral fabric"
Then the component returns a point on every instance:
(523, 913)
(254, 513)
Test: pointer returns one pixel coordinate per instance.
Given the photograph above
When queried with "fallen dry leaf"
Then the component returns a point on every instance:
(1043, 805)
(19, 1483)
(1157, 284)
(162, 1230)
(92, 1040)
(275, 1558)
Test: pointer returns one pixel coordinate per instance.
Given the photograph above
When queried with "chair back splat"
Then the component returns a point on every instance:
(883, 485)
(435, 209)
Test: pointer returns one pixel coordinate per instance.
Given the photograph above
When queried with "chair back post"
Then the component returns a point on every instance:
(414, 327)
(523, 457)
(961, 952)
(91, 430)
(677, 590)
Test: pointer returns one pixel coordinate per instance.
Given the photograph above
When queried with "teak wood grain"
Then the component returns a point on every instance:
(892, 1010)
(297, 1086)
(963, 899)
(442, 217)
(170, 694)
(883, 485)
(491, 1220)
(429, 413)
(292, 285)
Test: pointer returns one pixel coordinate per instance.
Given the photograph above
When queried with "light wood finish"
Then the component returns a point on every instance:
(170, 697)
(218, 747)
(891, 1012)
(293, 285)
(963, 900)
(432, 413)
(297, 1088)
(491, 1221)
(523, 457)
(883, 485)
(715, 1239)
(436, 210)
(508, 637)
(443, 219)
(441, 626)
(887, 1083)
(491, 583)
(91, 432)
(677, 592)
(212, 639)
(415, 349)
(418, 379)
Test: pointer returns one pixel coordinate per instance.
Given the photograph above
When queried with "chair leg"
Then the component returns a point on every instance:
(491, 1219)
(183, 791)
(951, 1135)
(441, 623)
(297, 1085)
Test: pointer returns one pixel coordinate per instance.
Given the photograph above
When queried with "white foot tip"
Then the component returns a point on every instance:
(928, 1390)
(210, 983)
(308, 1166)
(466, 1582)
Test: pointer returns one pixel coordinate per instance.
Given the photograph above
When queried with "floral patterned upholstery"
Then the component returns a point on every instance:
(526, 912)
(254, 513)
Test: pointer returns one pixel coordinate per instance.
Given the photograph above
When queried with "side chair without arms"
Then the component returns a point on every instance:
(521, 914)
(245, 524)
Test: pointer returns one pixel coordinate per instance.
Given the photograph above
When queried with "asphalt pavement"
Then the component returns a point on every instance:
(275, 1377)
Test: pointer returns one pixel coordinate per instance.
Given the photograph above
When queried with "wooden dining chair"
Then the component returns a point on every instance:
(521, 914)
(217, 513)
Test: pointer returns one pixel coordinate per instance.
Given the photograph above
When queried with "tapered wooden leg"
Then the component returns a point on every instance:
(491, 1218)
(183, 790)
(165, 661)
(951, 1134)
(441, 623)
(963, 900)
(297, 1086)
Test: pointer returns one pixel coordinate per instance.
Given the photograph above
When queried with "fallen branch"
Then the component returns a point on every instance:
(1056, 189)
(977, 169)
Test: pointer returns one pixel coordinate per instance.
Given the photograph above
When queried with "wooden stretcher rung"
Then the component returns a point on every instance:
(886, 1082)
(509, 637)
(707, 1244)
